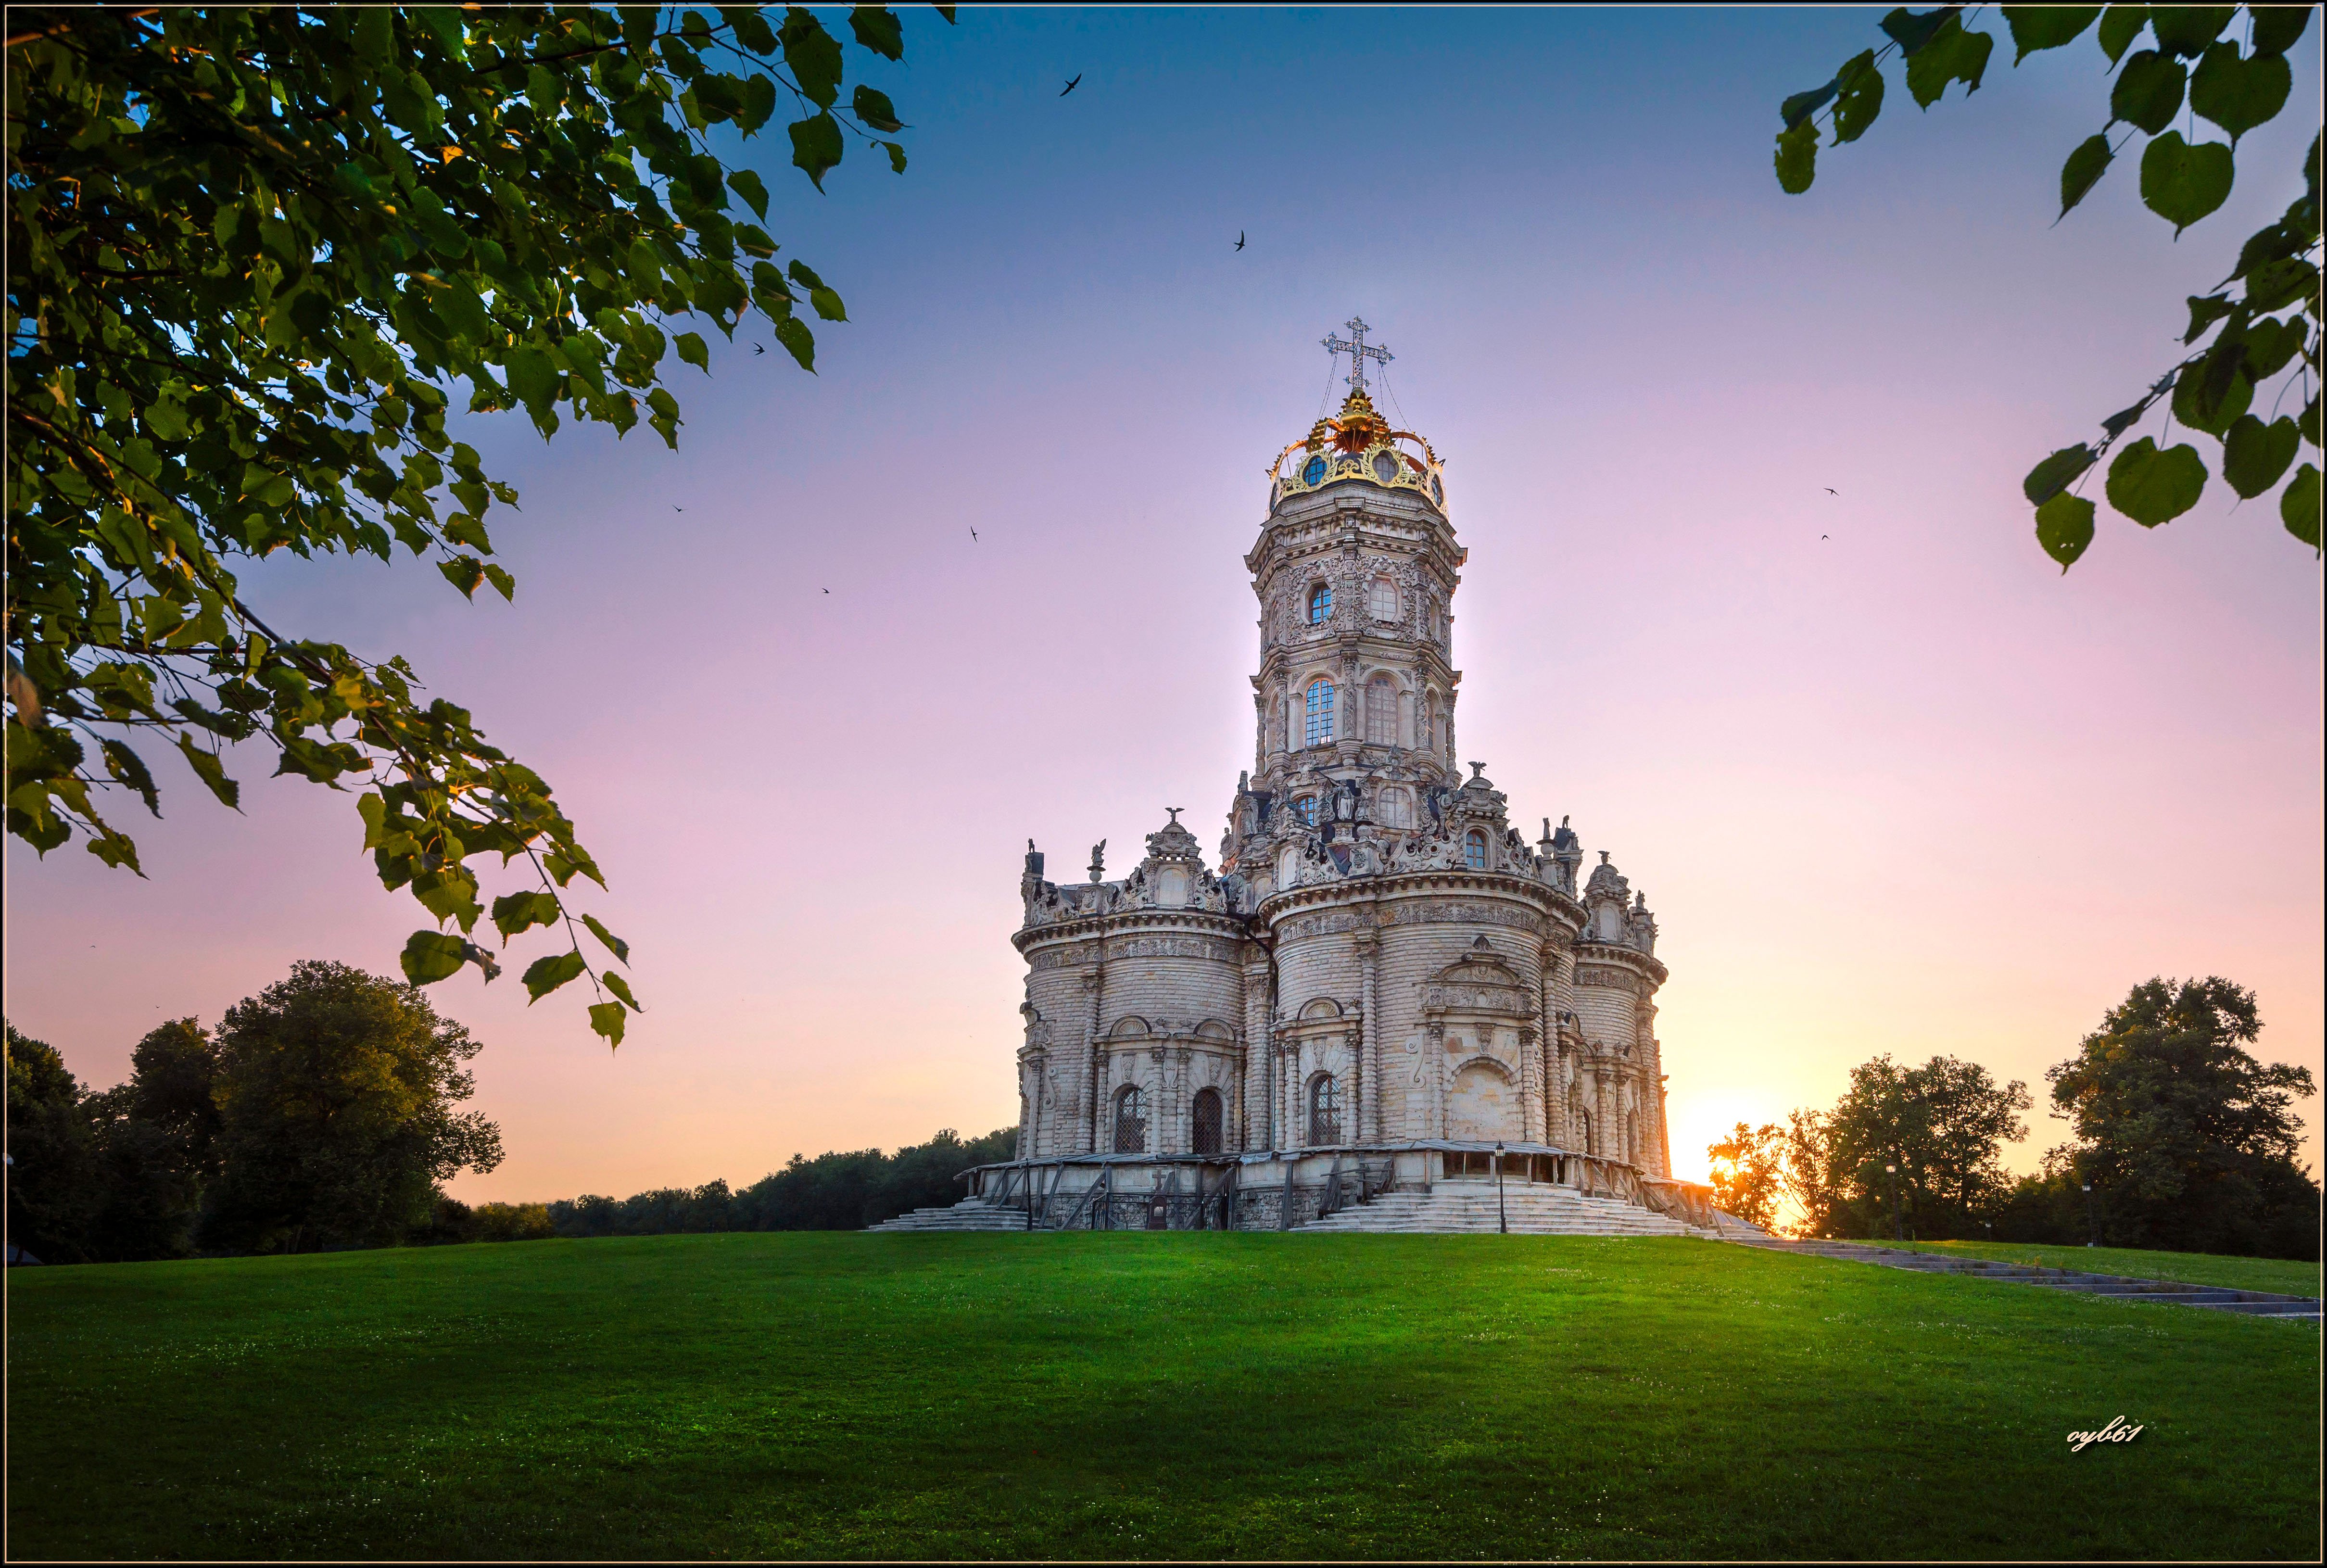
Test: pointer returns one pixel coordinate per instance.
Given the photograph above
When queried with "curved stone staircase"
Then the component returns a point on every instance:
(1453, 1208)
(969, 1214)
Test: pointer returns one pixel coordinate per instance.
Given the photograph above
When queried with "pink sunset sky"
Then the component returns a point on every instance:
(1891, 781)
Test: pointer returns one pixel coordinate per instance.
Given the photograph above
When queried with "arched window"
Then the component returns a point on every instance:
(1474, 850)
(1397, 808)
(1385, 600)
(1207, 1119)
(1319, 728)
(1130, 1121)
(1325, 1109)
(1381, 711)
(1321, 604)
(1591, 1144)
(1305, 808)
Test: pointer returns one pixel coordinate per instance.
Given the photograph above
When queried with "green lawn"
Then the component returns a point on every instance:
(2196, 1268)
(1133, 1395)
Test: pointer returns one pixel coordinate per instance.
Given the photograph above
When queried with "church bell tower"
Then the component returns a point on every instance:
(1355, 570)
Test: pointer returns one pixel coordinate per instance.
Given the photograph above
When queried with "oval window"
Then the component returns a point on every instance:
(1437, 490)
(1312, 471)
(1385, 466)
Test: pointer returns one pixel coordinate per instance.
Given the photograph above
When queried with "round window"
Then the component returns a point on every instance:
(1385, 466)
(1312, 471)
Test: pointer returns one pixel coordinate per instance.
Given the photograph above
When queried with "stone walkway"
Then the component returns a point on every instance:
(2221, 1299)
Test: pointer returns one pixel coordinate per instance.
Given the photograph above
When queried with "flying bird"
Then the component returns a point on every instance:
(759, 348)
(827, 591)
(972, 535)
(1821, 535)
(1239, 243)
(678, 509)
(1070, 86)
(1832, 491)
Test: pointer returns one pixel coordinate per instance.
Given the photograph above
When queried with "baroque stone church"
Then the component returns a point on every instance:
(1381, 984)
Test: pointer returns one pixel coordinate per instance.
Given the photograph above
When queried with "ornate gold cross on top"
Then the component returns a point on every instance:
(1356, 348)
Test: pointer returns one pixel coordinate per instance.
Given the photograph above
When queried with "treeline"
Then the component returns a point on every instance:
(2182, 1141)
(322, 1113)
(838, 1192)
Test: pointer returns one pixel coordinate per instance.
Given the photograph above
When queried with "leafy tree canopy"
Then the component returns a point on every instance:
(1749, 1173)
(337, 1095)
(1942, 1124)
(259, 259)
(53, 1184)
(2190, 1138)
(2227, 65)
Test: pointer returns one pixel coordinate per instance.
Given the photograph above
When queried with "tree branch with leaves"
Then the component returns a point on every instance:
(253, 257)
(2263, 318)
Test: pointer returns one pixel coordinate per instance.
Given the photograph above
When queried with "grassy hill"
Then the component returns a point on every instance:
(2279, 1275)
(1132, 1394)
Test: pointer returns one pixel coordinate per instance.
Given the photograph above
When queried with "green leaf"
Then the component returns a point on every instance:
(464, 573)
(2277, 27)
(1795, 109)
(533, 378)
(878, 30)
(211, 772)
(2298, 508)
(873, 106)
(1861, 97)
(2064, 527)
(544, 975)
(515, 912)
(2148, 91)
(794, 335)
(1796, 158)
(2204, 312)
(1911, 30)
(2083, 171)
(432, 955)
(693, 349)
(502, 580)
(2255, 454)
(621, 988)
(827, 303)
(748, 185)
(2036, 27)
(2120, 25)
(2188, 29)
(2154, 487)
(2212, 394)
(816, 147)
(2238, 94)
(2056, 473)
(2271, 344)
(127, 767)
(1955, 54)
(813, 54)
(2277, 284)
(2182, 183)
(614, 945)
(608, 1018)
(897, 157)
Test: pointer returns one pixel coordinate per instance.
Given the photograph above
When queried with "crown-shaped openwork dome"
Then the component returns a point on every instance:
(1361, 445)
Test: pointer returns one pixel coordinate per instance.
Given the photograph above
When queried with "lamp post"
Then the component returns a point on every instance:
(2092, 1224)
(1896, 1233)
(1502, 1219)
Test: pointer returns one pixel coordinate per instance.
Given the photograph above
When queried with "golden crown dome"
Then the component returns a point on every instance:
(1359, 445)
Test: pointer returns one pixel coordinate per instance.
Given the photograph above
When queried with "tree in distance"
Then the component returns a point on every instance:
(2189, 1139)
(253, 257)
(1929, 1139)
(2268, 328)
(1749, 1173)
(336, 1093)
